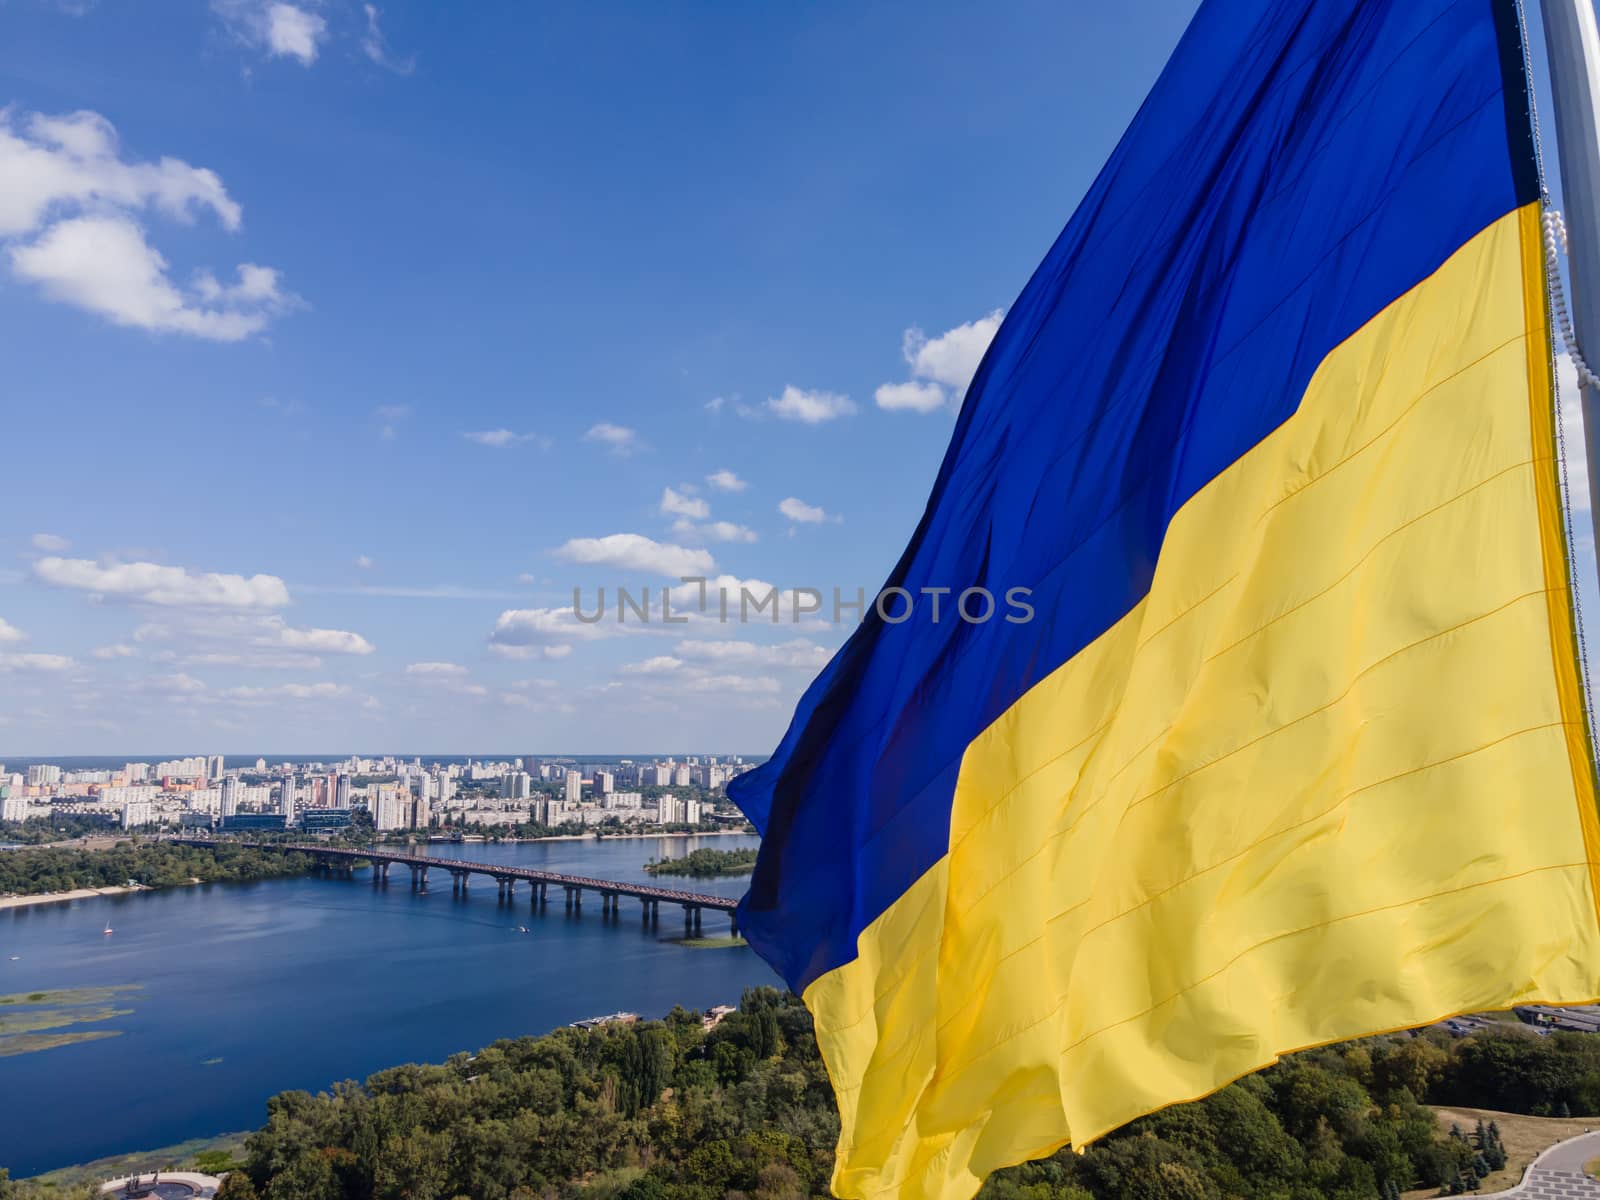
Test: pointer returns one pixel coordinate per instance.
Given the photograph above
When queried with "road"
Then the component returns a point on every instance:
(1557, 1174)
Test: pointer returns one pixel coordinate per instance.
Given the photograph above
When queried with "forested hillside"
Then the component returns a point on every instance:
(665, 1110)
(34, 871)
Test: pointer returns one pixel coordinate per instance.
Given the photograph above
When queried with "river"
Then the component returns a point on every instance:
(245, 990)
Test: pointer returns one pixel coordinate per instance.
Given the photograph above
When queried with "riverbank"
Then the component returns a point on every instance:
(74, 894)
(486, 839)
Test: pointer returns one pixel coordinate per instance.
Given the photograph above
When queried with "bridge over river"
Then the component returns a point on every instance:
(506, 878)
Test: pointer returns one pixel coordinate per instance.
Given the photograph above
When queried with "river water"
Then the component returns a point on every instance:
(245, 990)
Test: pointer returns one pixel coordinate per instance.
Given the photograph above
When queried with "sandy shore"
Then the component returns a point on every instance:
(58, 897)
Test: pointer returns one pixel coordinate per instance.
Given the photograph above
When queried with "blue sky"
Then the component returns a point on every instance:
(344, 341)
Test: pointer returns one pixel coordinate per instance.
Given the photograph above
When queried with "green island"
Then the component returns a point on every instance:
(683, 1109)
(705, 864)
(39, 870)
(25, 1016)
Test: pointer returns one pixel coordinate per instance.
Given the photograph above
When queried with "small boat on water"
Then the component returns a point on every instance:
(107, 929)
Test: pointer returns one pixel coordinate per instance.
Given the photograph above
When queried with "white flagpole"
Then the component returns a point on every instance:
(1572, 45)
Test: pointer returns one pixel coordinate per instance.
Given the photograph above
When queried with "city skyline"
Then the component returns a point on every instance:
(204, 793)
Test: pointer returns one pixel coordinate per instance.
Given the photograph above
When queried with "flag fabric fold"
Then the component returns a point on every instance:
(1293, 748)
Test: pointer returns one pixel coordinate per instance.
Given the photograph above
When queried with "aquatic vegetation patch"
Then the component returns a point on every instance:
(25, 1016)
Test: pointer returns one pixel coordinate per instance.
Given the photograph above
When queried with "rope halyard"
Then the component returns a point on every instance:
(1555, 245)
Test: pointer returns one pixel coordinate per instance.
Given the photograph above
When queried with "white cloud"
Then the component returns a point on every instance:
(796, 653)
(376, 47)
(947, 361)
(250, 660)
(799, 510)
(365, 563)
(666, 674)
(739, 685)
(810, 407)
(181, 684)
(50, 542)
(952, 358)
(104, 265)
(72, 161)
(35, 662)
(500, 439)
(619, 439)
(441, 670)
(211, 636)
(120, 650)
(10, 633)
(519, 653)
(281, 30)
(541, 632)
(661, 664)
(910, 396)
(324, 641)
(294, 33)
(151, 583)
(285, 691)
(727, 531)
(675, 503)
(67, 218)
(714, 405)
(726, 481)
(635, 552)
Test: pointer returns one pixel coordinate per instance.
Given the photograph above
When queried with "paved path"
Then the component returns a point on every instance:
(1557, 1174)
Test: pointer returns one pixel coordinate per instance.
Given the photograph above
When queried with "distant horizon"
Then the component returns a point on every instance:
(10, 761)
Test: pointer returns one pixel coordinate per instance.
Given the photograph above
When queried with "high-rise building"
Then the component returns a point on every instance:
(342, 792)
(214, 763)
(550, 812)
(261, 765)
(604, 784)
(712, 776)
(391, 812)
(515, 785)
(675, 810)
(574, 793)
(286, 799)
(229, 801)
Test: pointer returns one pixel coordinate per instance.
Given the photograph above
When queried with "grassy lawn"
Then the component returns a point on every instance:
(1525, 1139)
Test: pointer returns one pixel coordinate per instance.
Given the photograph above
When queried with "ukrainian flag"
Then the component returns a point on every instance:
(1294, 748)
